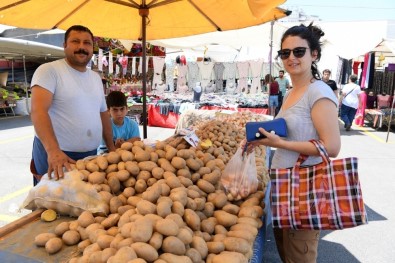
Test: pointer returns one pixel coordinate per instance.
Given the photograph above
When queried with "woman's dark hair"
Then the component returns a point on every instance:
(268, 79)
(116, 99)
(76, 28)
(312, 35)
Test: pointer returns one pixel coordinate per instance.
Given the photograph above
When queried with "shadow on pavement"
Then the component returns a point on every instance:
(328, 252)
(15, 122)
(373, 216)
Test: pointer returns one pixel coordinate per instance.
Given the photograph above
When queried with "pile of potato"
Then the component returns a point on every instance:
(165, 204)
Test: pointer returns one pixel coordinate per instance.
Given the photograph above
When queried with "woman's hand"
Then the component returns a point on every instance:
(271, 139)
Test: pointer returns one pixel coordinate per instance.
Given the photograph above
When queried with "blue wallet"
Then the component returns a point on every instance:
(279, 126)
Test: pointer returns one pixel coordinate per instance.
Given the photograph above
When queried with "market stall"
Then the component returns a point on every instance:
(170, 108)
(17, 239)
(379, 117)
(129, 198)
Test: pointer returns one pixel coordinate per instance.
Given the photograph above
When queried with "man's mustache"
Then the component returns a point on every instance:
(81, 51)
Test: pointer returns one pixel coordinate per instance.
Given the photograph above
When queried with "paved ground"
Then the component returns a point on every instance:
(371, 243)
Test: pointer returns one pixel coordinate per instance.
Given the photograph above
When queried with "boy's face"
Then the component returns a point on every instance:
(118, 114)
(325, 76)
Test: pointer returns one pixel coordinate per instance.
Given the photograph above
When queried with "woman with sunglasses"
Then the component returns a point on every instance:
(310, 111)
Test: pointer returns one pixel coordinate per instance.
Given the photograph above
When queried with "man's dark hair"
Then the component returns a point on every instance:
(326, 71)
(353, 78)
(116, 99)
(281, 71)
(76, 28)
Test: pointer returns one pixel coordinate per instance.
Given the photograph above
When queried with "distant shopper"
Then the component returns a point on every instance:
(69, 111)
(326, 74)
(273, 97)
(124, 129)
(283, 84)
(350, 101)
(265, 86)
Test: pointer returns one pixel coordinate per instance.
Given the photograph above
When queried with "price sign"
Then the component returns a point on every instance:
(192, 139)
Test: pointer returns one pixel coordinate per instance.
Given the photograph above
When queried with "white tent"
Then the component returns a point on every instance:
(11, 48)
(385, 52)
(347, 40)
(241, 44)
(27, 51)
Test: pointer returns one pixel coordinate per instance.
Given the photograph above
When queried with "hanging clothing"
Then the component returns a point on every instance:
(182, 75)
(170, 66)
(160, 88)
(256, 70)
(158, 62)
(100, 60)
(193, 74)
(231, 89)
(266, 69)
(124, 64)
(133, 66)
(206, 70)
(243, 68)
(355, 67)
(110, 63)
(360, 115)
(182, 89)
(346, 71)
(371, 71)
(219, 76)
(117, 66)
(230, 74)
(371, 101)
(361, 72)
(383, 101)
(365, 70)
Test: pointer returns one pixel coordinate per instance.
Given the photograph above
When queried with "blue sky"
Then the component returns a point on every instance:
(346, 10)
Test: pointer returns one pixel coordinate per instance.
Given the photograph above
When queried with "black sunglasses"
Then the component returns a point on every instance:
(298, 52)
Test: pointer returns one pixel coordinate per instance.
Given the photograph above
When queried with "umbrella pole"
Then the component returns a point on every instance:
(271, 47)
(389, 122)
(12, 70)
(144, 13)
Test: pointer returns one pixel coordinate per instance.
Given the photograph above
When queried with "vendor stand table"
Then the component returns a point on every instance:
(254, 110)
(379, 117)
(17, 239)
(374, 116)
(155, 118)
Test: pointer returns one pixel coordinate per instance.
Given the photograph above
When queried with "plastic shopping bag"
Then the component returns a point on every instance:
(68, 196)
(239, 177)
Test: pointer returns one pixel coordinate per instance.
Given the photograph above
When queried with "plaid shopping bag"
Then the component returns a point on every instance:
(322, 196)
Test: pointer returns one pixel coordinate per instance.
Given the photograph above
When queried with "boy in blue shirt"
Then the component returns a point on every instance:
(123, 129)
